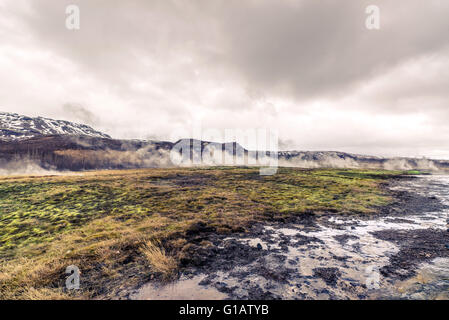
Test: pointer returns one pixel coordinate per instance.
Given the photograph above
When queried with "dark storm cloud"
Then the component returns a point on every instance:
(147, 67)
(303, 49)
(313, 48)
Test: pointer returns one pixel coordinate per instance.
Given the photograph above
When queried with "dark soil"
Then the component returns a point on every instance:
(329, 275)
(416, 246)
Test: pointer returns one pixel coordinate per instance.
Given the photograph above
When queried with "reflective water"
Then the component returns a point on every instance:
(183, 289)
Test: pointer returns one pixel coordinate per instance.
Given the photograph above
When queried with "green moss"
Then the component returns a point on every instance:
(36, 209)
(414, 172)
(78, 217)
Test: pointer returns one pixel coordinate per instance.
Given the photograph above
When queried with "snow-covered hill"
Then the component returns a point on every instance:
(17, 127)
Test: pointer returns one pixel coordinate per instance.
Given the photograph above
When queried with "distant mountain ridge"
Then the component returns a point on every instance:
(18, 127)
(63, 145)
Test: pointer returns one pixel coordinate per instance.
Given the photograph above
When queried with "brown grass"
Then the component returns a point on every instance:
(158, 259)
(31, 293)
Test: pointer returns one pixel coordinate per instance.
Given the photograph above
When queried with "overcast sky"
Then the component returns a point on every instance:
(311, 69)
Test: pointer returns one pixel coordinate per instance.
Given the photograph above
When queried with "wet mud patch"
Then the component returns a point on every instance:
(303, 240)
(416, 246)
(224, 255)
(344, 238)
(329, 275)
(407, 200)
(399, 220)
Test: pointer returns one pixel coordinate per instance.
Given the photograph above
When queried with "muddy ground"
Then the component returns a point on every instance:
(402, 252)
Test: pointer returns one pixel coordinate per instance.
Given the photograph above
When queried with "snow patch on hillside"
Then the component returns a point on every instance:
(17, 127)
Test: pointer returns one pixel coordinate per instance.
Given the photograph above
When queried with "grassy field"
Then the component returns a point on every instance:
(124, 227)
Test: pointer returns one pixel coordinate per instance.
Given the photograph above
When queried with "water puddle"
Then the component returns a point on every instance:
(431, 282)
(183, 289)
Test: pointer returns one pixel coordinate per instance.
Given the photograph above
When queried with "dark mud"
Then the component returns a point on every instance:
(416, 246)
(326, 256)
(329, 275)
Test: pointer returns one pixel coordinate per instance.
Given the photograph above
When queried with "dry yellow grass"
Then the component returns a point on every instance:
(19, 280)
(31, 293)
(158, 259)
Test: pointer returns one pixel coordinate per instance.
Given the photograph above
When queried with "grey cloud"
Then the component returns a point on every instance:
(80, 113)
(316, 48)
(300, 49)
(144, 68)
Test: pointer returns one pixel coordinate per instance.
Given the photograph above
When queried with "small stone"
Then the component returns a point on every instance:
(259, 246)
